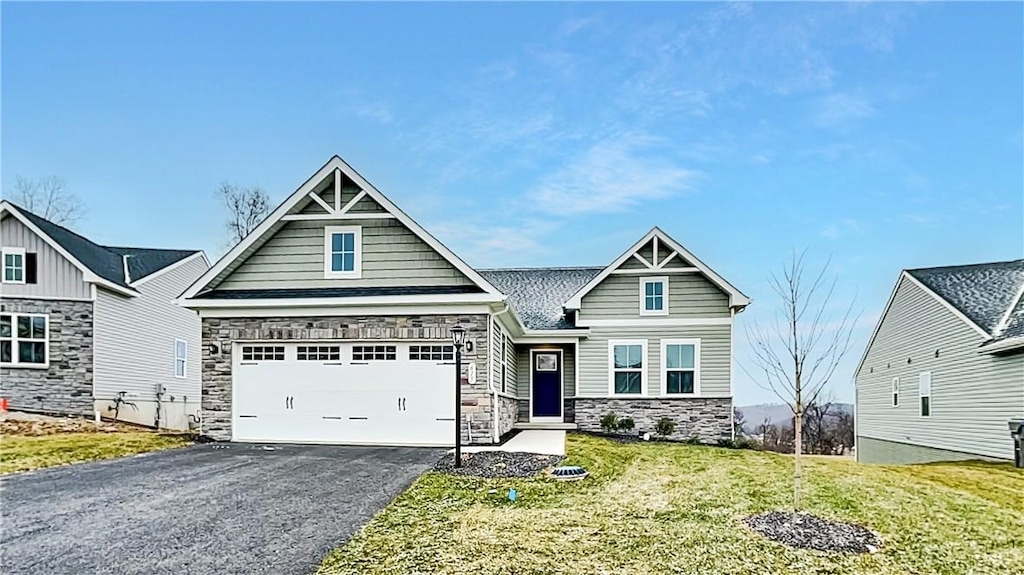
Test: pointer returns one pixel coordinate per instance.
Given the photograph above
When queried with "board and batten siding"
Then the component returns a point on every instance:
(690, 295)
(57, 277)
(972, 394)
(715, 358)
(391, 256)
(135, 338)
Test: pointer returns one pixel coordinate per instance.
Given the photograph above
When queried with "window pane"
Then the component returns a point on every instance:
(627, 382)
(679, 356)
(39, 327)
(24, 326)
(5, 326)
(337, 262)
(5, 351)
(179, 349)
(628, 356)
(337, 242)
(658, 286)
(679, 382)
(179, 368)
(32, 352)
(349, 242)
(8, 260)
(349, 263)
(649, 289)
(926, 407)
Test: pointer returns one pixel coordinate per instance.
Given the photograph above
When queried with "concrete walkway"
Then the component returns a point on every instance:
(543, 441)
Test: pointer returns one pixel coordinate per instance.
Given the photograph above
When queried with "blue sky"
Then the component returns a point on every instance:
(886, 136)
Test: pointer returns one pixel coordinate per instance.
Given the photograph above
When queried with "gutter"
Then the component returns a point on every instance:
(1005, 345)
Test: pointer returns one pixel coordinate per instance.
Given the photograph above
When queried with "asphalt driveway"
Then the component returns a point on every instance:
(204, 509)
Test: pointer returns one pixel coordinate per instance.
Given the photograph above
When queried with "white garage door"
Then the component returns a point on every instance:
(386, 393)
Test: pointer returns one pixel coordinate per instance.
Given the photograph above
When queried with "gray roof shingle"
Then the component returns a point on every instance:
(107, 261)
(537, 294)
(982, 292)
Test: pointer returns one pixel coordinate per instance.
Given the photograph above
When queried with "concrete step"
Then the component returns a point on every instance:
(557, 426)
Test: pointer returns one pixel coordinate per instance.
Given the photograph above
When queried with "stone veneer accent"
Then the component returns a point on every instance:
(508, 412)
(65, 387)
(478, 421)
(709, 419)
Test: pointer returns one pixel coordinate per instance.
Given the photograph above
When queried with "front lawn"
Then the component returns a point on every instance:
(660, 508)
(22, 453)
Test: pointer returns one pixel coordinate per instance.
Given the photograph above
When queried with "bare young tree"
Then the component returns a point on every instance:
(48, 197)
(798, 353)
(738, 421)
(246, 209)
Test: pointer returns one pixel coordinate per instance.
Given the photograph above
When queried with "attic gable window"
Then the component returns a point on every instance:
(14, 265)
(654, 296)
(343, 251)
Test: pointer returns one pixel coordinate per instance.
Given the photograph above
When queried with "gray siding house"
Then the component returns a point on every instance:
(944, 370)
(331, 323)
(84, 325)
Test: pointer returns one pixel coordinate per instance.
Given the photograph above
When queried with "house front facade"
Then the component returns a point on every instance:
(88, 329)
(943, 372)
(330, 323)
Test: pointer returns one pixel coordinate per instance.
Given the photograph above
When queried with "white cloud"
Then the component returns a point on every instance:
(844, 227)
(495, 246)
(841, 108)
(612, 175)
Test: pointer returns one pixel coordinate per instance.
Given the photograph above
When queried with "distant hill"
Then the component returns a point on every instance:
(777, 413)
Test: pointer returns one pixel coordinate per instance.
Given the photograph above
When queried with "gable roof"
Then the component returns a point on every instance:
(273, 222)
(537, 294)
(104, 265)
(736, 297)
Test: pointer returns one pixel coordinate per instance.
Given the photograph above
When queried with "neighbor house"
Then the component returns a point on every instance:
(944, 370)
(331, 323)
(86, 328)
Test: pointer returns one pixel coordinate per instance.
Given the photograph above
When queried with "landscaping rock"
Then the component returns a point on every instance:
(807, 531)
(497, 464)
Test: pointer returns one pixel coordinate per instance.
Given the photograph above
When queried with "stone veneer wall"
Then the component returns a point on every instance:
(216, 402)
(65, 387)
(508, 413)
(709, 419)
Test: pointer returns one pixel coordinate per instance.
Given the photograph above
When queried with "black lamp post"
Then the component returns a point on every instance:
(458, 340)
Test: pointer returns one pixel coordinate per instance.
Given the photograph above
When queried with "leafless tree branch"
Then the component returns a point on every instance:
(49, 198)
(246, 209)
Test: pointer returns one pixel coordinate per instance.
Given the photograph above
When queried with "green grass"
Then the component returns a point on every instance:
(22, 453)
(660, 508)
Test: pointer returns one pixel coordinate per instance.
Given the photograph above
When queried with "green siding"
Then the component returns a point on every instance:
(715, 361)
(973, 394)
(511, 368)
(879, 451)
(392, 256)
(568, 368)
(690, 295)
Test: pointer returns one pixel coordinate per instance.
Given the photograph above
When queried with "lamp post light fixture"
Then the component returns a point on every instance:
(458, 340)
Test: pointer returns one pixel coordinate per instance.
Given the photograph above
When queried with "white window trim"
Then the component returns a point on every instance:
(696, 366)
(14, 342)
(3, 270)
(895, 396)
(664, 295)
(921, 395)
(183, 360)
(645, 367)
(357, 268)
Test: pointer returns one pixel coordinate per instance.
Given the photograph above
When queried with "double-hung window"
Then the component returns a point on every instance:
(895, 392)
(343, 251)
(654, 296)
(924, 384)
(626, 364)
(24, 340)
(180, 358)
(680, 366)
(14, 265)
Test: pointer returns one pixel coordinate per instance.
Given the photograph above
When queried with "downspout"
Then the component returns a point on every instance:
(490, 376)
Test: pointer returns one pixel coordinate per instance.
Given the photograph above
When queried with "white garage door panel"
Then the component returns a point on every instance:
(379, 402)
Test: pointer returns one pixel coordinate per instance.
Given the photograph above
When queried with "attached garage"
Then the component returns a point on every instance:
(389, 393)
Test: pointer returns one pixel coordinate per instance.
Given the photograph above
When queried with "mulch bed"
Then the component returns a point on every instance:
(807, 531)
(497, 464)
(31, 424)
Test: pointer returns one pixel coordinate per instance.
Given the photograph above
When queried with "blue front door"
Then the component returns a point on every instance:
(547, 384)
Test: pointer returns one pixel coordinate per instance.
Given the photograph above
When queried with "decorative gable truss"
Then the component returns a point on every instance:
(335, 199)
(657, 253)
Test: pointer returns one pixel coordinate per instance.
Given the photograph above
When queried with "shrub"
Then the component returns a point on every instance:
(609, 422)
(665, 427)
(694, 440)
(626, 424)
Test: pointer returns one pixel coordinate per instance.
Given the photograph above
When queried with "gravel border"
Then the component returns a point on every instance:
(497, 464)
(806, 531)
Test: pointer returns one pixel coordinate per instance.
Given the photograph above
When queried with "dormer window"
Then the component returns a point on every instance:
(343, 247)
(654, 296)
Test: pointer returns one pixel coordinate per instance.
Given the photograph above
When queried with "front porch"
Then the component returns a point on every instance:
(545, 386)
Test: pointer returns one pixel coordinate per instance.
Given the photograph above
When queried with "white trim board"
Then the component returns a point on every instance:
(655, 322)
(343, 302)
(333, 166)
(336, 311)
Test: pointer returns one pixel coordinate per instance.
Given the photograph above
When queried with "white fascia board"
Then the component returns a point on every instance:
(87, 274)
(1001, 346)
(172, 267)
(542, 339)
(335, 311)
(655, 322)
(736, 297)
(346, 302)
